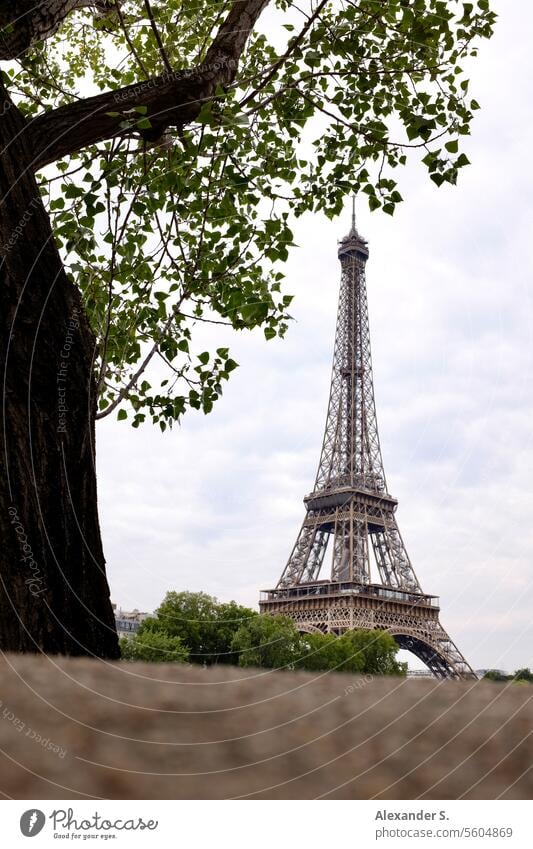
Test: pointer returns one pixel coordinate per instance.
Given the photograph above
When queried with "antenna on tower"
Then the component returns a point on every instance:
(353, 241)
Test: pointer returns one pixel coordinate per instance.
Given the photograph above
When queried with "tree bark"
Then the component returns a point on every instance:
(23, 23)
(54, 595)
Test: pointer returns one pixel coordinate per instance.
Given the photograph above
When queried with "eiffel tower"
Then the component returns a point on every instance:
(351, 504)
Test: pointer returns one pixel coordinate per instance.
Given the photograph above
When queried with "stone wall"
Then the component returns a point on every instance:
(80, 729)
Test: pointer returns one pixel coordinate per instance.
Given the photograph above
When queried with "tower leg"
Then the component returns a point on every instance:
(394, 566)
(306, 558)
(350, 549)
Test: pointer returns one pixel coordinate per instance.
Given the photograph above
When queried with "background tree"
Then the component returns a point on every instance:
(495, 675)
(205, 626)
(523, 675)
(154, 647)
(271, 642)
(325, 651)
(360, 652)
(150, 156)
(378, 650)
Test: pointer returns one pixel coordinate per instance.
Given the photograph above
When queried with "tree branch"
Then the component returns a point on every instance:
(172, 99)
(157, 36)
(132, 382)
(23, 23)
(291, 48)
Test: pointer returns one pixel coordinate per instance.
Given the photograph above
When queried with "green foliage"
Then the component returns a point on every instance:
(230, 617)
(521, 676)
(154, 647)
(163, 238)
(378, 650)
(268, 641)
(326, 651)
(204, 625)
(274, 643)
(359, 652)
(495, 675)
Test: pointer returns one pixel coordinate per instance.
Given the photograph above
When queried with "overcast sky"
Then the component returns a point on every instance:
(216, 504)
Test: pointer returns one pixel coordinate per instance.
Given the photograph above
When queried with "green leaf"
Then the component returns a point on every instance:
(461, 161)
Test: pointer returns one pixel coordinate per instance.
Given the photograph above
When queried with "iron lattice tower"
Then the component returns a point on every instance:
(350, 503)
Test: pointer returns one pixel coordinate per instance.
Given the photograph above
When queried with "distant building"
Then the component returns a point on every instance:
(425, 673)
(128, 621)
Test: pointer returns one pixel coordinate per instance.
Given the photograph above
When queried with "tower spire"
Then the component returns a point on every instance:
(353, 244)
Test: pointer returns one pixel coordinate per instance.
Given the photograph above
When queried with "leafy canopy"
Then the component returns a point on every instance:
(359, 652)
(154, 647)
(521, 676)
(167, 236)
(273, 642)
(204, 625)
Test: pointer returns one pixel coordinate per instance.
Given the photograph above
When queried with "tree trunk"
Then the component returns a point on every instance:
(54, 595)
